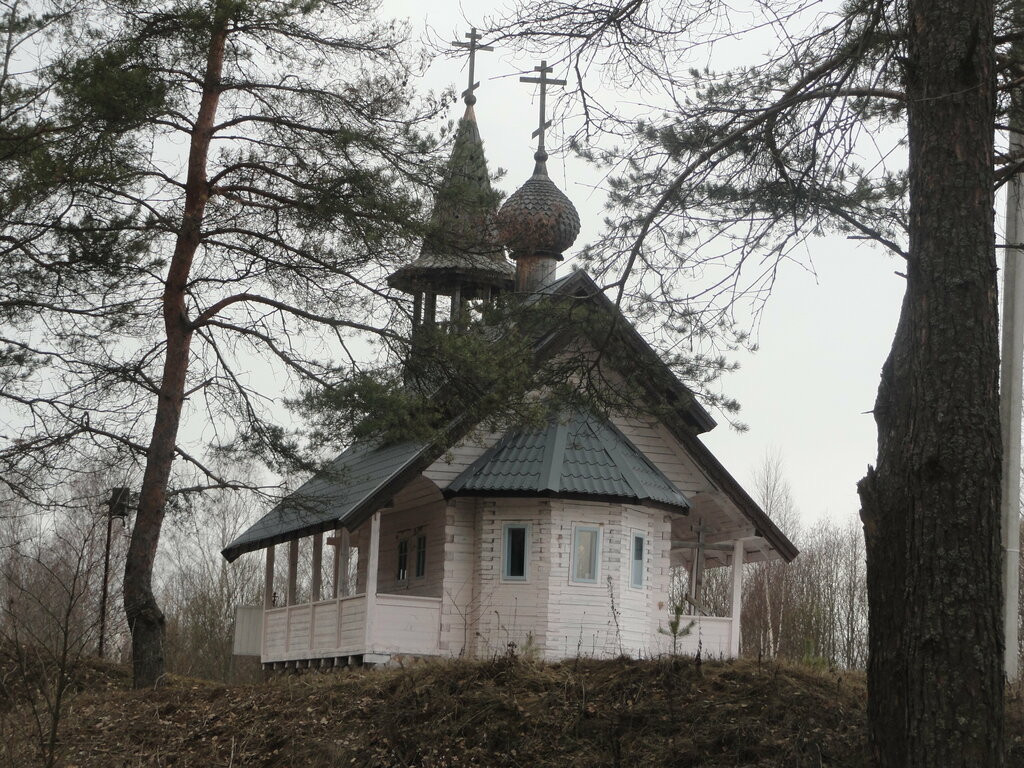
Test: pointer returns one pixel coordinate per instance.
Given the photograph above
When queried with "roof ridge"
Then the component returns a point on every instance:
(554, 458)
(614, 449)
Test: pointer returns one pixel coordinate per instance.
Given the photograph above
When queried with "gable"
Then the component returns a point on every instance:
(716, 498)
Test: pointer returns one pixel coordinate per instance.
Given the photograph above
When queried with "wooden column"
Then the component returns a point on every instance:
(456, 308)
(268, 579)
(697, 567)
(737, 598)
(417, 310)
(316, 583)
(293, 570)
(373, 558)
(430, 309)
(344, 558)
(340, 542)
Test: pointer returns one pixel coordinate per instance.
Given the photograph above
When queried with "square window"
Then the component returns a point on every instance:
(514, 547)
(403, 560)
(636, 574)
(421, 556)
(586, 545)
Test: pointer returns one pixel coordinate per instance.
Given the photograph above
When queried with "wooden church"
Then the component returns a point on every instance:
(555, 540)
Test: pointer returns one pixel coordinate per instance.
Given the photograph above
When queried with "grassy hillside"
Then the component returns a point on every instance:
(503, 712)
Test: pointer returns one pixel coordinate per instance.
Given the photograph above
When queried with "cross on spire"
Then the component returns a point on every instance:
(473, 47)
(544, 81)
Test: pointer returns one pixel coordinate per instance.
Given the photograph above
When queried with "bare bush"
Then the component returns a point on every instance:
(200, 589)
(50, 573)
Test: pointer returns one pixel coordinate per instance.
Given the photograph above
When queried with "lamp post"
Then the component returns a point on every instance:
(117, 506)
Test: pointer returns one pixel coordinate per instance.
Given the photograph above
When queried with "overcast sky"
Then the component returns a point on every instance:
(823, 336)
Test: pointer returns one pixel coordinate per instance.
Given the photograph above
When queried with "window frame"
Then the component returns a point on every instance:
(402, 572)
(420, 565)
(506, 554)
(595, 556)
(642, 536)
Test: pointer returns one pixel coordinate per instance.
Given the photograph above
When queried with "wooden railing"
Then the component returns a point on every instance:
(352, 626)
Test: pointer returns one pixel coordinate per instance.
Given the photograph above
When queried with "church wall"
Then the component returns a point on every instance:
(460, 456)
(643, 610)
(511, 611)
(659, 553)
(407, 525)
(671, 457)
(580, 614)
(459, 607)
(608, 617)
(418, 509)
(665, 452)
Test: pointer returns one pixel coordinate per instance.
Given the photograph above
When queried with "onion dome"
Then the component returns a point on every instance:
(538, 219)
(461, 251)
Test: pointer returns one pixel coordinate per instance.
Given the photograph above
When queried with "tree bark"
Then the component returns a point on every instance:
(931, 506)
(145, 620)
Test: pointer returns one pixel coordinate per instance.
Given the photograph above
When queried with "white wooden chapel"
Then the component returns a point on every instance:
(558, 540)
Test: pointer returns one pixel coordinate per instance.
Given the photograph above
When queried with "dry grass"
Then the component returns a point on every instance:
(502, 712)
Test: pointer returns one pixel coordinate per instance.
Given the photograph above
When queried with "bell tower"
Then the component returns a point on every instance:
(461, 259)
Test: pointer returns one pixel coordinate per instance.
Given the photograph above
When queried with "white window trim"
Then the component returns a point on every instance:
(634, 535)
(597, 554)
(505, 543)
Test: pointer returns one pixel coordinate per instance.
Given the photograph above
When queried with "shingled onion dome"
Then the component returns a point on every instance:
(461, 256)
(537, 223)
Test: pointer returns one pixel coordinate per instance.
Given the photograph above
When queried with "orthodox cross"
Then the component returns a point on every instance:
(473, 48)
(544, 81)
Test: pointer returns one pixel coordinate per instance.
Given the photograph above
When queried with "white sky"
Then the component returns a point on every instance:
(806, 394)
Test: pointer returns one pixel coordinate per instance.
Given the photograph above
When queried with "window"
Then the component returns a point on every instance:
(513, 561)
(636, 574)
(421, 556)
(586, 543)
(403, 560)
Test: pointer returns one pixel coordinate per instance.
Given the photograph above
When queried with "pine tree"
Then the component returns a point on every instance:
(225, 178)
(744, 165)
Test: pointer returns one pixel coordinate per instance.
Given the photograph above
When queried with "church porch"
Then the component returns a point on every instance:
(357, 622)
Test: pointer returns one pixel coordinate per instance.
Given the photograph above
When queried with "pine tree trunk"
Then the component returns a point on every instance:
(931, 507)
(145, 619)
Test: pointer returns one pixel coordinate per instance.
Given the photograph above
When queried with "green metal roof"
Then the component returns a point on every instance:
(576, 456)
(360, 477)
(363, 478)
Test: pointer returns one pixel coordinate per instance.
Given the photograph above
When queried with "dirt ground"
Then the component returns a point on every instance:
(502, 712)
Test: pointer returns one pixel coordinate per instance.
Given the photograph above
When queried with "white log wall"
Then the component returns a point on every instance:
(459, 610)
(463, 606)
(512, 611)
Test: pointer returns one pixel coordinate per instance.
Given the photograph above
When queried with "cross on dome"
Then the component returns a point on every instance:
(473, 47)
(544, 82)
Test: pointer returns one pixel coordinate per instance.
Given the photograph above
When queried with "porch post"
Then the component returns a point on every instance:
(737, 598)
(268, 579)
(697, 569)
(344, 553)
(339, 566)
(373, 558)
(293, 570)
(317, 579)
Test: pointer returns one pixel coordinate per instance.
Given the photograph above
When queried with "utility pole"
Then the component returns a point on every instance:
(1010, 399)
(117, 506)
(1011, 391)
